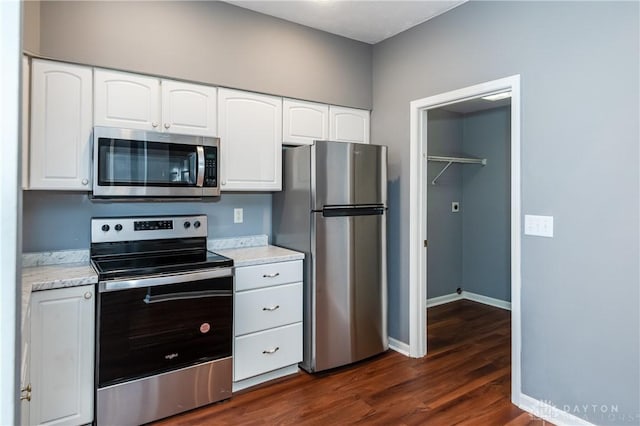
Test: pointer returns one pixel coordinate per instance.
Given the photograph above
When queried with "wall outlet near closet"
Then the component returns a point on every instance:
(455, 206)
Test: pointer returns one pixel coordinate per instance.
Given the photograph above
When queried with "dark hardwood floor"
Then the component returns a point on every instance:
(464, 380)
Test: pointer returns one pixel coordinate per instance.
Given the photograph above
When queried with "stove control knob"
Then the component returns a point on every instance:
(118, 227)
(196, 224)
(187, 225)
(105, 227)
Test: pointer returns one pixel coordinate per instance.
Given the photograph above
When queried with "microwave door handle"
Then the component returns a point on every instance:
(200, 174)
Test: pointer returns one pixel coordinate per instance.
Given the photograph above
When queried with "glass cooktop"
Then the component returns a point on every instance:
(130, 266)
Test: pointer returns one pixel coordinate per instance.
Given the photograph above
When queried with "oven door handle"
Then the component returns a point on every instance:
(106, 286)
(185, 295)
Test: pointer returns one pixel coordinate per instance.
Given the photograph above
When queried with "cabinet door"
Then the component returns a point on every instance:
(304, 122)
(126, 100)
(62, 356)
(250, 130)
(60, 146)
(189, 109)
(348, 124)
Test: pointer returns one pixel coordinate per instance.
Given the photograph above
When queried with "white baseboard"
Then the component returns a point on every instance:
(398, 346)
(550, 413)
(441, 300)
(502, 304)
(448, 298)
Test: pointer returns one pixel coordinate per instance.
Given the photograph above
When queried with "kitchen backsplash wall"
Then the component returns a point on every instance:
(55, 220)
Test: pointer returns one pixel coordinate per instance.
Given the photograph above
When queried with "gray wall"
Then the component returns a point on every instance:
(444, 228)
(61, 220)
(486, 203)
(210, 42)
(579, 64)
(31, 26)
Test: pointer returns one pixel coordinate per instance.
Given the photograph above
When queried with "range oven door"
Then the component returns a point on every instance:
(137, 163)
(159, 324)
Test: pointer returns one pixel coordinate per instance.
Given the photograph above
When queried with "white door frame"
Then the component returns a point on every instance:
(418, 209)
(10, 209)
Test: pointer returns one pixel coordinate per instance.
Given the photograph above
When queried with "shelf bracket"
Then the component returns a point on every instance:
(433, 182)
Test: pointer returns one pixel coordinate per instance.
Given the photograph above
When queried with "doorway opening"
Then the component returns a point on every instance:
(423, 173)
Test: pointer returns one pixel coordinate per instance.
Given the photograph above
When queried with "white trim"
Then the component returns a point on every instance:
(550, 413)
(441, 300)
(467, 295)
(417, 213)
(266, 377)
(417, 234)
(502, 304)
(10, 208)
(398, 346)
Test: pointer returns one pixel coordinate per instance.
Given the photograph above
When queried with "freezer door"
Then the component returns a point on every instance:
(348, 174)
(350, 287)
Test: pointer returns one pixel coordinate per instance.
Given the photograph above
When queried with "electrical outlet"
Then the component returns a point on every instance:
(238, 216)
(455, 206)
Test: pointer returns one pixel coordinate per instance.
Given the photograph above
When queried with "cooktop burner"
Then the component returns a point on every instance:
(143, 246)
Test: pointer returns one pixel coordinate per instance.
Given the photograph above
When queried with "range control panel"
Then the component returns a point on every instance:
(114, 229)
(152, 225)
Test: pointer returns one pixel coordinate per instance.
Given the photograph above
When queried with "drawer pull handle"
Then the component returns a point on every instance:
(275, 274)
(271, 351)
(272, 308)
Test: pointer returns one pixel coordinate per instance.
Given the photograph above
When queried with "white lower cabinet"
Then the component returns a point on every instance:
(268, 350)
(267, 319)
(61, 356)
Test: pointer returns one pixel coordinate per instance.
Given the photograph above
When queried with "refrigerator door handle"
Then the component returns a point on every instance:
(375, 210)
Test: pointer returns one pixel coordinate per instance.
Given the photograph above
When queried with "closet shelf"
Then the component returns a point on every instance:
(451, 160)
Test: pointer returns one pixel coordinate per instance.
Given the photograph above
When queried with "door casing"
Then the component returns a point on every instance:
(418, 209)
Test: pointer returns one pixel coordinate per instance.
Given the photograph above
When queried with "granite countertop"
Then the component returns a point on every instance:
(248, 256)
(52, 276)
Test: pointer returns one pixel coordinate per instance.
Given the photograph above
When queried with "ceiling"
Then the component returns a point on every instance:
(369, 21)
(475, 105)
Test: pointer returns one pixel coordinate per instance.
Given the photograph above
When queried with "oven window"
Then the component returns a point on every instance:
(140, 163)
(148, 330)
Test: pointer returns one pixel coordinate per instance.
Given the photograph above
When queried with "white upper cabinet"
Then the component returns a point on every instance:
(60, 145)
(348, 124)
(126, 100)
(304, 122)
(250, 130)
(188, 108)
(140, 102)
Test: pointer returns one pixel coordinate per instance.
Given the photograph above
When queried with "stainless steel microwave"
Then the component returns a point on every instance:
(138, 163)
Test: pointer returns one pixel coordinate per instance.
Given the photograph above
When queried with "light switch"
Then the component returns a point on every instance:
(541, 226)
(237, 215)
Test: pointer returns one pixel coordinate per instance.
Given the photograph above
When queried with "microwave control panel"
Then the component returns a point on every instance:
(211, 166)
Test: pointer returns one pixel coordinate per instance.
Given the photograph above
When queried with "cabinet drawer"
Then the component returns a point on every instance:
(249, 277)
(265, 351)
(267, 308)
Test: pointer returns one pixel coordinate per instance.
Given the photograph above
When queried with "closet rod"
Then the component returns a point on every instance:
(463, 160)
(451, 160)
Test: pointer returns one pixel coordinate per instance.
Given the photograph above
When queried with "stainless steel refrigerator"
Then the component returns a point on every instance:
(333, 208)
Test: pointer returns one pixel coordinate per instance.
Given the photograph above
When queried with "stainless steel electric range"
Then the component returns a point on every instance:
(165, 311)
